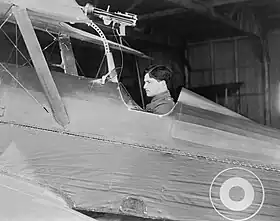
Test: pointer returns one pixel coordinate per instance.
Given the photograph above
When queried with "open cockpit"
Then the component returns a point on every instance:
(59, 54)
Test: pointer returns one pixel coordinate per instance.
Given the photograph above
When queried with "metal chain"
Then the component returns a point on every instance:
(155, 148)
(237, 163)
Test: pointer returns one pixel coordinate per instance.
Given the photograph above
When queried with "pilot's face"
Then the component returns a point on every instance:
(152, 86)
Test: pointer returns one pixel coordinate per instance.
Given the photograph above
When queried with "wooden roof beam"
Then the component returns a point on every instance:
(209, 10)
(210, 3)
(163, 13)
(196, 5)
(226, 2)
(134, 5)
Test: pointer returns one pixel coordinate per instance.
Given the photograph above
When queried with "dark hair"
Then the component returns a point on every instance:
(160, 73)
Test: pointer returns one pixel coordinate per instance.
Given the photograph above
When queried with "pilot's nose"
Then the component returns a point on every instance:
(145, 86)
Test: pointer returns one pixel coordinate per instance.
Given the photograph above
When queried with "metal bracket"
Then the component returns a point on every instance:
(67, 55)
(122, 19)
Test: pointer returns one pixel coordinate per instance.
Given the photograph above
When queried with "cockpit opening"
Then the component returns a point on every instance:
(154, 90)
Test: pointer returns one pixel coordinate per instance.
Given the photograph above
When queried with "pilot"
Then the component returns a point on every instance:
(156, 83)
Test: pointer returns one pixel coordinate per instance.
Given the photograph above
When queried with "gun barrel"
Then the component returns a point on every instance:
(118, 17)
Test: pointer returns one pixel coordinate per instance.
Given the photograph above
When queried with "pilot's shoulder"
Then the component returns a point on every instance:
(164, 106)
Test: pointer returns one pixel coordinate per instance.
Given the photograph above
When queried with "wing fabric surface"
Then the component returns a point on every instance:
(64, 10)
(24, 201)
(31, 201)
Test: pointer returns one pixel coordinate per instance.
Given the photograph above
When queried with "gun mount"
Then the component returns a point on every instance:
(122, 19)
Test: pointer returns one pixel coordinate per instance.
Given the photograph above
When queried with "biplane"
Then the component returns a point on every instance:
(89, 145)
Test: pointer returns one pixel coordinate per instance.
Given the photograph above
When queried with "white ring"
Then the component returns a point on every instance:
(244, 219)
(249, 194)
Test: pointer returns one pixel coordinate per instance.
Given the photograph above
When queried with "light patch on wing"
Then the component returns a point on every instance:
(66, 10)
(13, 161)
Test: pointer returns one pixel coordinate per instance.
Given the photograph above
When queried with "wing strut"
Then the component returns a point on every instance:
(67, 55)
(40, 65)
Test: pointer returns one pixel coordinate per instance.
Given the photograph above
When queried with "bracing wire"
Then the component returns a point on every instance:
(53, 43)
(77, 63)
(24, 88)
(45, 48)
(139, 77)
(101, 63)
(4, 22)
(12, 51)
(15, 46)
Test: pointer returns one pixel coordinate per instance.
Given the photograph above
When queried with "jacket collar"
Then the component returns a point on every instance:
(163, 95)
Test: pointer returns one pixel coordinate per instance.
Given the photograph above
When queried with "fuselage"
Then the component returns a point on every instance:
(109, 153)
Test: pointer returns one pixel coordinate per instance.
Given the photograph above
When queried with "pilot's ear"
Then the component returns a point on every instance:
(163, 83)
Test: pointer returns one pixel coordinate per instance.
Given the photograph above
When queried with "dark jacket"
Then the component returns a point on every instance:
(161, 103)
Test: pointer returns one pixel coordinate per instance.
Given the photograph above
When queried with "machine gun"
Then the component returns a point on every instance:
(123, 19)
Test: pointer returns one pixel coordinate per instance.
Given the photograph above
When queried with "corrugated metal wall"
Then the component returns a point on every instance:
(227, 61)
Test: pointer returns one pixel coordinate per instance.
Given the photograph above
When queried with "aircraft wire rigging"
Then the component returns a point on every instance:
(123, 19)
(25, 89)
(18, 50)
(44, 49)
(55, 40)
(15, 46)
(4, 22)
(138, 73)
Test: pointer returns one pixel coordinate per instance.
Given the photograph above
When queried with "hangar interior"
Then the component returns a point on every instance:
(225, 50)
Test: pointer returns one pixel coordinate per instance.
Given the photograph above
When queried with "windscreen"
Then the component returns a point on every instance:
(127, 98)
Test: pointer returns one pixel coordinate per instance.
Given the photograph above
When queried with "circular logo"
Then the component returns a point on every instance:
(237, 194)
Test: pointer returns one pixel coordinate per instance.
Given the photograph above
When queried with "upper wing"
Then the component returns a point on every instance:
(86, 36)
(59, 10)
(52, 16)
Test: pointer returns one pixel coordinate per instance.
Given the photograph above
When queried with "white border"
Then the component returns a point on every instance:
(210, 189)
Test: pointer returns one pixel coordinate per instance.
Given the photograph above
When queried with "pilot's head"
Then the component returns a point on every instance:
(157, 80)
